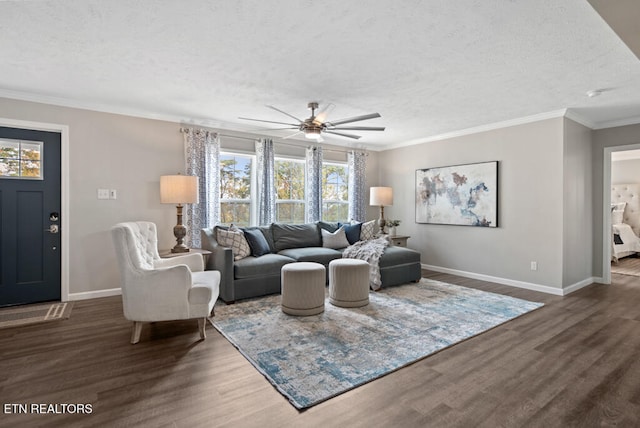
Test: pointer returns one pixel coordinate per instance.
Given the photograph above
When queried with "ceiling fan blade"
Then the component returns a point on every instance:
(322, 116)
(353, 119)
(292, 135)
(342, 134)
(280, 129)
(358, 128)
(269, 121)
(284, 112)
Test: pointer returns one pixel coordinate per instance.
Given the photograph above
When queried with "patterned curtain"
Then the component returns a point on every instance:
(357, 185)
(202, 157)
(313, 188)
(266, 182)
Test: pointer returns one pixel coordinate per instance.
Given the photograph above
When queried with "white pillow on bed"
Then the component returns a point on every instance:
(617, 212)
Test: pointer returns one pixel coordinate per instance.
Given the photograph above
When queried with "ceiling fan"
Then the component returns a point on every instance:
(316, 125)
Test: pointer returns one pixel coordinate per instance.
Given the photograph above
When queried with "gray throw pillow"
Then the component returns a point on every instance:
(335, 240)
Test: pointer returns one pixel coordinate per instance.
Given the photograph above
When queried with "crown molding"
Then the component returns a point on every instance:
(222, 125)
(477, 129)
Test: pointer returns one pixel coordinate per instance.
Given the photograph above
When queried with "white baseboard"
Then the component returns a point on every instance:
(578, 285)
(95, 294)
(514, 283)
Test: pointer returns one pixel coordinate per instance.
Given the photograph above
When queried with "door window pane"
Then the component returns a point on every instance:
(20, 159)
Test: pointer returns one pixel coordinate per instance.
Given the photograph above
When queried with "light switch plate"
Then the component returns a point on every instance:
(103, 193)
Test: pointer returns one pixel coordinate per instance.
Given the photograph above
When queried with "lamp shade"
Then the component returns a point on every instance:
(179, 189)
(381, 196)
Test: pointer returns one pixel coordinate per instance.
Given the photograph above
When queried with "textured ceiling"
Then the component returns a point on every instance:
(428, 67)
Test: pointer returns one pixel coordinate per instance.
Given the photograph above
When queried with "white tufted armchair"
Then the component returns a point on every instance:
(155, 289)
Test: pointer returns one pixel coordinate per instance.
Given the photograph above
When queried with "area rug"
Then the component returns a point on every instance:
(627, 266)
(31, 314)
(311, 359)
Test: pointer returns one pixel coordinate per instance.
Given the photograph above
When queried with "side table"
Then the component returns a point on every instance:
(167, 254)
(398, 240)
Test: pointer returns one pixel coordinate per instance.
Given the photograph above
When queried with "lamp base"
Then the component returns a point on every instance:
(180, 231)
(180, 249)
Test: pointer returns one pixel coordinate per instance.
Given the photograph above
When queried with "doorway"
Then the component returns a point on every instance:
(612, 175)
(26, 269)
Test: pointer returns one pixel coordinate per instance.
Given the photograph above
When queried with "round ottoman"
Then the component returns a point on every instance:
(349, 283)
(302, 288)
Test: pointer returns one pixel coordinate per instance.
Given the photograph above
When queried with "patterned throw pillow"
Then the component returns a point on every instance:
(234, 239)
(367, 230)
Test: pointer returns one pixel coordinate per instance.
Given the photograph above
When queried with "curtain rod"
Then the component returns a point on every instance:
(275, 142)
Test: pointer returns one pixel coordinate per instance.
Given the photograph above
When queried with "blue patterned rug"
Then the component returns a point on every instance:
(311, 359)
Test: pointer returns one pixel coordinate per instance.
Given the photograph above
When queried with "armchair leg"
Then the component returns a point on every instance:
(202, 323)
(135, 333)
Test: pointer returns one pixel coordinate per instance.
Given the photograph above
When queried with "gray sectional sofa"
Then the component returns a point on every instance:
(254, 276)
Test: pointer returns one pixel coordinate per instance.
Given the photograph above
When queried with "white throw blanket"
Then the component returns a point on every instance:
(369, 251)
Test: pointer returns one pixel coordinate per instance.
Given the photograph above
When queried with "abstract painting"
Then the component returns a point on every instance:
(460, 195)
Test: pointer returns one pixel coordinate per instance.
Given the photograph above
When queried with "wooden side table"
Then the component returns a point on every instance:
(167, 254)
(398, 240)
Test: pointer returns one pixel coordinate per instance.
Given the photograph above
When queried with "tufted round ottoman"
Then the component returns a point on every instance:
(302, 287)
(349, 283)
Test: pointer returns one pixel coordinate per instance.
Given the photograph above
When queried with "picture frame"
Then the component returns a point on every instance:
(461, 195)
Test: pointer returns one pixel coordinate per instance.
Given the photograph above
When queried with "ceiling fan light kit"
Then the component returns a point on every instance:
(316, 125)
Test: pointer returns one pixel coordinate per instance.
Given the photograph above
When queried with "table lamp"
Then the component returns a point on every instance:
(179, 189)
(381, 196)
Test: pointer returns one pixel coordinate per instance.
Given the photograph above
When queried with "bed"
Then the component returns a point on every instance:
(625, 220)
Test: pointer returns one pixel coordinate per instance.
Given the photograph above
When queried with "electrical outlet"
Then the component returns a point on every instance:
(113, 194)
(534, 265)
(103, 193)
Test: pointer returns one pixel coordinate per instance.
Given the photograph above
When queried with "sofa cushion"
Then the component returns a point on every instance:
(254, 267)
(312, 254)
(329, 226)
(394, 256)
(337, 239)
(295, 236)
(257, 242)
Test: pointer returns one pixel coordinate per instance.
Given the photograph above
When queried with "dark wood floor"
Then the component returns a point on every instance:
(574, 362)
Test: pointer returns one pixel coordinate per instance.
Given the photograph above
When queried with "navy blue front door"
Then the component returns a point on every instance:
(29, 216)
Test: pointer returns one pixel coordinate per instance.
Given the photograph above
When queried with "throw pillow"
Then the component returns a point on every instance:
(234, 239)
(617, 212)
(335, 240)
(367, 230)
(329, 226)
(257, 242)
(352, 231)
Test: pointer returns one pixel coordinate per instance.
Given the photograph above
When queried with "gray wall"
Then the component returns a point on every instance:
(602, 138)
(578, 200)
(530, 203)
(127, 154)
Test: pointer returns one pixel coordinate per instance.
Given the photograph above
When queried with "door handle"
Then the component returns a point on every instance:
(53, 229)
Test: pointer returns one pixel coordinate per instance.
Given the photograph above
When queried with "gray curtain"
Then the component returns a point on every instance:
(357, 185)
(313, 188)
(265, 182)
(202, 156)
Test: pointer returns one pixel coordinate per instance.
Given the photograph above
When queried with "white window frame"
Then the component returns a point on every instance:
(303, 201)
(334, 201)
(253, 209)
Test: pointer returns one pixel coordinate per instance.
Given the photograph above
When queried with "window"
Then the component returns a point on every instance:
(21, 159)
(335, 195)
(289, 178)
(235, 189)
